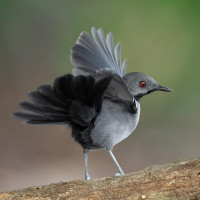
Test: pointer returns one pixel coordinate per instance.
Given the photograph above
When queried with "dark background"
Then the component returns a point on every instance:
(160, 38)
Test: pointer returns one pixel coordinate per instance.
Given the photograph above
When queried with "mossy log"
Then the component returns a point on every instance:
(174, 181)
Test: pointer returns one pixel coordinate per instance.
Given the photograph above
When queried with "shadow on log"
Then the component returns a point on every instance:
(174, 181)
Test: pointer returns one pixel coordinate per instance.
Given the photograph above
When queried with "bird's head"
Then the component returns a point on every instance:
(141, 84)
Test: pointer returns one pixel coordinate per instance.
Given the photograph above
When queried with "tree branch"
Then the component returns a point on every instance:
(174, 181)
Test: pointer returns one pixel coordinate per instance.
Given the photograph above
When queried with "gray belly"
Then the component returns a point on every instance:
(113, 124)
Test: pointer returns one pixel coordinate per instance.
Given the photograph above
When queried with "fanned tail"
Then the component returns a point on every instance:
(70, 100)
(46, 107)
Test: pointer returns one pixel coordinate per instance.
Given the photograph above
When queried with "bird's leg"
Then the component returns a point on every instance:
(118, 166)
(87, 177)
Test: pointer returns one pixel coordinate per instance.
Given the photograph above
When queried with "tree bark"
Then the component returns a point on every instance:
(175, 181)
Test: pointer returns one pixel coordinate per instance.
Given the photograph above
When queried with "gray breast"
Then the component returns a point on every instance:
(113, 124)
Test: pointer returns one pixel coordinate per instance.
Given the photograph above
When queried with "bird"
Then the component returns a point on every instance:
(98, 101)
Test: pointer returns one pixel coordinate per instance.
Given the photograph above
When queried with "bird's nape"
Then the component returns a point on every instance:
(141, 84)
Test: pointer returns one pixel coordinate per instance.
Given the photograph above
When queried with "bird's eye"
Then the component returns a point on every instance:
(142, 84)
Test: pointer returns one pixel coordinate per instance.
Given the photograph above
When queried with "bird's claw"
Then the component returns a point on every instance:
(119, 174)
(87, 177)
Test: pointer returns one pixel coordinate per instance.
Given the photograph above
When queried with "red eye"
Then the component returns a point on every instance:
(142, 84)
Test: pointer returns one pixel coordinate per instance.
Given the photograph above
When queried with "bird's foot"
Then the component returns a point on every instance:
(87, 177)
(119, 174)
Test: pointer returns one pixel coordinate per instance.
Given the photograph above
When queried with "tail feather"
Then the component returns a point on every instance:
(36, 98)
(47, 122)
(27, 116)
(54, 104)
(47, 107)
(62, 88)
(42, 109)
(52, 96)
(40, 119)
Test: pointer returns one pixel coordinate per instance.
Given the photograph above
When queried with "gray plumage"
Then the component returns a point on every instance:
(100, 102)
(114, 124)
(91, 54)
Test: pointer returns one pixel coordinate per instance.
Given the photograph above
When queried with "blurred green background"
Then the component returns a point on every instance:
(160, 38)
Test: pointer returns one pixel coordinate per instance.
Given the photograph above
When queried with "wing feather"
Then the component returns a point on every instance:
(117, 88)
(89, 54)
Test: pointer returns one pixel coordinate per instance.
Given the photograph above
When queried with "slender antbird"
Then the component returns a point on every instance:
(99, 102)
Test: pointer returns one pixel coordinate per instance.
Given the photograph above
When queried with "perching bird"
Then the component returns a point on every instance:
(100, 102)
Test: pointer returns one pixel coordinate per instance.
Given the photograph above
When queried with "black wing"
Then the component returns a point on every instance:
(117, 90)
(71, 100)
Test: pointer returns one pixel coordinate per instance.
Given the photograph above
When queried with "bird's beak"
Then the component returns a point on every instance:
(163, 88)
